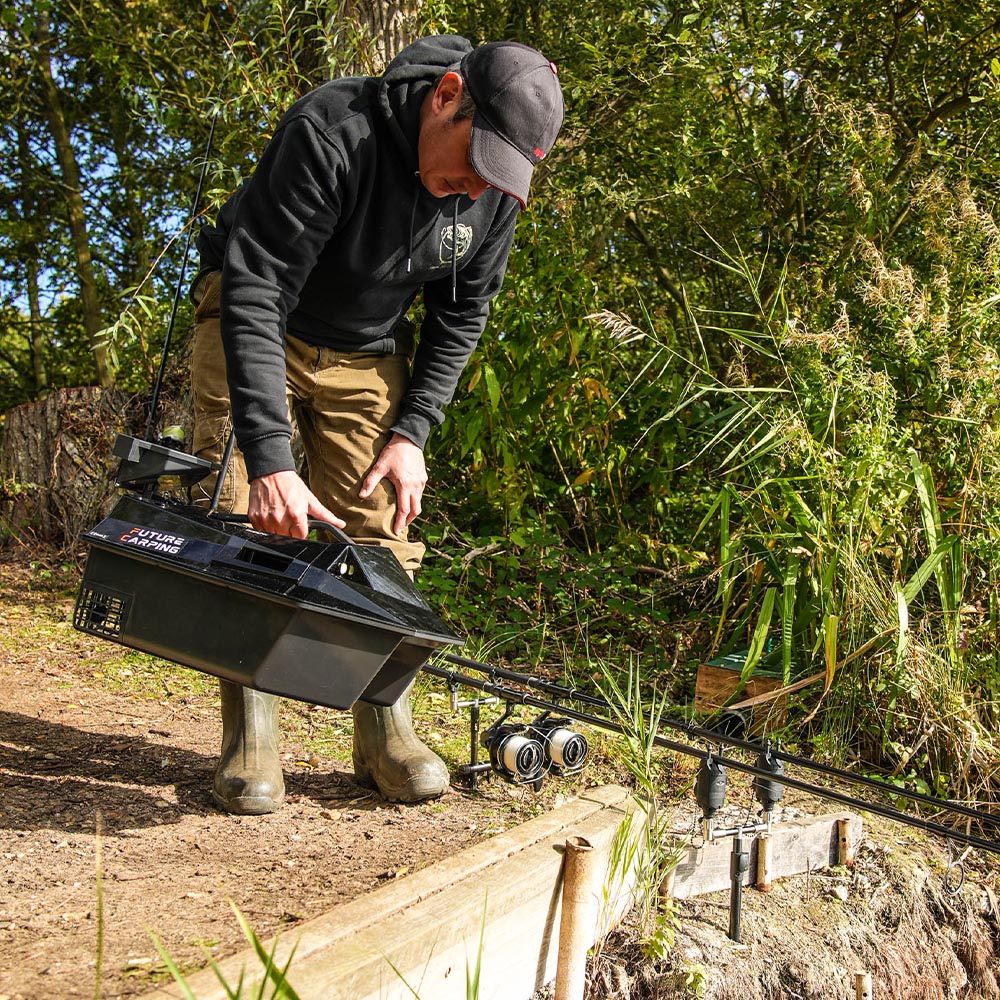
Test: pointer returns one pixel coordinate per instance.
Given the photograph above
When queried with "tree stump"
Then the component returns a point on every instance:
(56, 467)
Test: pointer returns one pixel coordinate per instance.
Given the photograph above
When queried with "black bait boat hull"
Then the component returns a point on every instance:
(327, 623)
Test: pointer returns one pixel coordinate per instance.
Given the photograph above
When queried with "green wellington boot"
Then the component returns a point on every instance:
(248, 779)
(388, 755)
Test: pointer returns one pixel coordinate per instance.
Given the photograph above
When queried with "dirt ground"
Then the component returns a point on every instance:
(106, 761)
(891, 916)
(108, 834)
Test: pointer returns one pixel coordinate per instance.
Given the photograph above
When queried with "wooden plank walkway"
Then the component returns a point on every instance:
(427, 925)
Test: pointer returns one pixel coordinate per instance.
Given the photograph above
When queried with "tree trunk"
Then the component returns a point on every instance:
(37, 336)
(74, 205)
(138, 263)
(359, 38)
(29, 210)
(386, 27)
(56, 467)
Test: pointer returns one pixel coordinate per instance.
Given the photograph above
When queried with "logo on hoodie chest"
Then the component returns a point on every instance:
(455, 242)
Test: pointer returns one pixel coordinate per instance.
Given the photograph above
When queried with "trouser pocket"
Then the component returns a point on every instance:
(211, 432)
(207, 296)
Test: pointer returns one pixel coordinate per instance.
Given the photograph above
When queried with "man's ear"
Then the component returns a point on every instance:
(448, 92)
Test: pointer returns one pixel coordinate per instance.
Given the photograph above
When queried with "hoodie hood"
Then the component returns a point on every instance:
(403, 86)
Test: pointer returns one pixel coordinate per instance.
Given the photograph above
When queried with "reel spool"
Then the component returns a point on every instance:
(515, 754)
(566, 751)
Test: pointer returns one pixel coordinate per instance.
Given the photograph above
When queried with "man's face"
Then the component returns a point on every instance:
(443, 145)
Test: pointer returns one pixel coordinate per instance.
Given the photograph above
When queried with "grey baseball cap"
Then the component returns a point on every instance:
(519, 111)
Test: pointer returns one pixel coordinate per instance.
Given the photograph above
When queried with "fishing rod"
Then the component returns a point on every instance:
(561, 691)
(510, 747)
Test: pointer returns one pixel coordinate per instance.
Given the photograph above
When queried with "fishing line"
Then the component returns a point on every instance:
(158, 381)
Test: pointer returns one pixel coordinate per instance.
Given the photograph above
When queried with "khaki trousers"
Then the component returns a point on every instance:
(343, 405)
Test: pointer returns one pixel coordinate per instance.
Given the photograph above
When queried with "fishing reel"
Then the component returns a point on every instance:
(566, 751)
(522, 753)
(515, 753)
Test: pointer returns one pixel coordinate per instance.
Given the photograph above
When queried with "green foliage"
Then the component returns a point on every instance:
(138, 116)
(831, 512)
(749, 328)
(761, 276)
(273, 985)
(652, 855)
(558, 606)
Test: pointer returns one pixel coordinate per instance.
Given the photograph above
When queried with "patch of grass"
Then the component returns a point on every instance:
(324, 732)
(274, 985)
(139, 675)
(157, 972)
(205, 943)
(639, 710)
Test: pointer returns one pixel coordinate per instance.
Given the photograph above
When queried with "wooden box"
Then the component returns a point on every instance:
(717, 683)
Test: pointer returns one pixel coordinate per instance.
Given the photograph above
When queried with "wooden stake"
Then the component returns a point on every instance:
(845, 847)
(578, 919)
(765, 847)
(863, 985)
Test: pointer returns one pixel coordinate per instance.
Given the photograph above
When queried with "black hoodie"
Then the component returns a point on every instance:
(332, 238)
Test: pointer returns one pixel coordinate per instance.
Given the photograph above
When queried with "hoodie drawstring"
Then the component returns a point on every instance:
(413, 216)
(454, 240)
(454, 251)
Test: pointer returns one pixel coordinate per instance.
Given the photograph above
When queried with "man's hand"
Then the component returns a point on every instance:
(402, 463)
(282, 503)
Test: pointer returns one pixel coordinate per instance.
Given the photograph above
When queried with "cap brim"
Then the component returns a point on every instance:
(499, 163)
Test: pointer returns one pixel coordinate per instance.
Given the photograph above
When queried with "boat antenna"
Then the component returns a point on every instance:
(157, 384)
